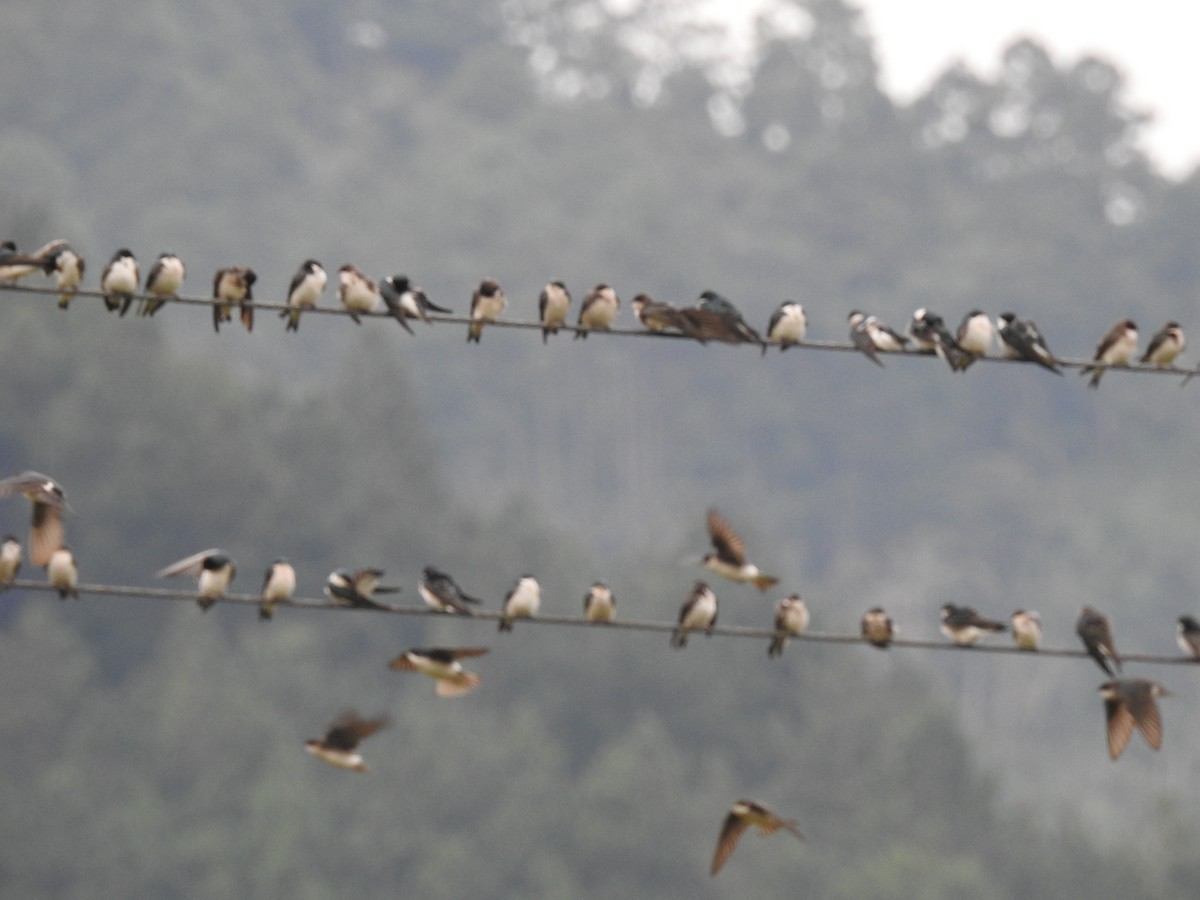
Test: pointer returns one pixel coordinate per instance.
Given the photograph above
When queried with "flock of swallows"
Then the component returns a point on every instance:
(1128, 702)
(712, 318)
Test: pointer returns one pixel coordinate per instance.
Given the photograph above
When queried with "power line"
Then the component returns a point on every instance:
(441, 319)
(721, 631)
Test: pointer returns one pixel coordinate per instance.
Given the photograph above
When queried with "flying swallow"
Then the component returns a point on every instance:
(67, 267)
(119, 281)
(164, 281)
(598, 310)
(1027, 629)
(860, 338)
(49, 503)
(308, 284)
(339, 746)
(964, 626)
(486, 305)
(442, 664)
(521, 602)
(732, 327)
(1166, 344)
(791, 617)
(741, 816)
(405, 300)
(442, 592)
(213, 569)
(699, 612)
(279, 584)
(599, 604)
(788, 325)
(14, 265)
(728, 557)
(1116, 348)
(655, 316)
(1093, 629)
(1188, 635)
(359, 294)
(553, 303)
(1130, 702)
(231, 285)
(877, 628)
(1021, 339)
(347, 587)
(63, 573)
(10, 560)
(975, 335)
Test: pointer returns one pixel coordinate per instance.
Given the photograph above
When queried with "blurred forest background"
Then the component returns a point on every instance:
(150, 751)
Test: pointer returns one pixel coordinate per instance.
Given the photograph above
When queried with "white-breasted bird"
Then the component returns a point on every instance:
(788, 325)
(162, 283)
(119, 281)
(359, 294)
(791, 618)
(308, 284)
(213, 570)
(339, 747)
(521, 602)
(1027, 629)
(728, 556)
(279, 586)
(442, 664)
(63, 573)
(46, 529)
(598, 310)
(1116, 348)
(1168, 342)
(10, 560)
(487, 303)
(234, 284)
(599, 604)
(553, 304)
(698, 613)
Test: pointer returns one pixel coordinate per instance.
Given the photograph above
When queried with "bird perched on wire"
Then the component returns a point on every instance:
(599, 604)
(656, 316)
(14, 264)
(1130, 703)
(442, 664)
(742, 815)
(860, 338)
(965, 626)
(339, 747)
(163, 283)
(1116, 348)
(119, 281)
(357, 588)
(359, 294)
(67, 268)
(598, 310)
(63, 573)
(1093, 629)
(442, 592)
(788, 325)
(405, 300)
(728, 557)
(521, 602)
(486, 305)
(10, 560)
(876, 627)
(1021, 339)
(1167, 343)
(553, 304)
(929, 329)
(1027, 629)
(279, 586)
(1188, 636)
(46, 529)
(308, 284)
(791, 618)
(698, 613)
(213, 570)
(234, 284)
(721, 321)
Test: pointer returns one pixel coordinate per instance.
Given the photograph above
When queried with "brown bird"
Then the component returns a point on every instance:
(1166, 344)
(877, 628)
(486, 305)
(234, 285)
(741, 816)
(1093, 629)
(553, 304)
(49, 502)
(598, 310)
(791, 617)
(442, 664)
(729, 555)
(1116, 348)
(339, 746)
(1129, 702)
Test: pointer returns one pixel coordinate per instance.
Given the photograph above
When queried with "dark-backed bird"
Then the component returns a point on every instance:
(1188, 636)
(234, 284)
(1168, 342)
(654, 315)
(598, 310)
(728, 557)
(877, 628)
(119, 281)
(62, 573)
(357, 588)
(521, 602)
(741, 816)
(1027, 629)
(279, 586)
(788, 325)
(405, 300)
(791, 618)
(442, 592)
(46, 528)
(162, 283)
(1116, 348)
(945, 345)
(698, 613)
(922, 334)
(553, 304)
(1095, 632)
(308, 284)
(10, 560)
(860, 338)
(599, 604)
(487, 303)
(213, 570)
(1130, 703)
(67, 268)
(339, 747)
(965, 626)
(732, 327)
(975, 335)
(442, 664)
(359, 294)
(1021, 339)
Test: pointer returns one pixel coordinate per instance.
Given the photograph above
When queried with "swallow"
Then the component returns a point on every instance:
(964, 626)
(598, 310)
(521, 602)
(945, 345)
(877, 628)
(1188, 635)
(741, 816)
(442, 592)
(728, 557)
(553, 303)
(442, 664)
(119, 281)
(279, 584)
(1167, 343)
(883, 336)
(308, 284)
(1027, 629)
(599, 604)
(46, 529)
(67, 267)
(732, 327)
(791, 617)
(359, 294)
(407, 301)
(339, 747)
(356, 588)
(486, 305)
(860, 338)
(63, 573)
(1116, 348)
(10, 560)
(14, 265)
(698, 613)
(1130, 702)
(921, 332)
(975, 335)
(164, 281)
(788, 325)
(1093, 629)
(213, 569)
(233, 285)
(1021, 339)
(655, 316)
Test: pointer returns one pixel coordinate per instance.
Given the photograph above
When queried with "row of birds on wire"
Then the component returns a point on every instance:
(1129, 702)
(712, 318)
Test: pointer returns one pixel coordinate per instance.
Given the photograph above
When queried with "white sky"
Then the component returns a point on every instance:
(1154, 42)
